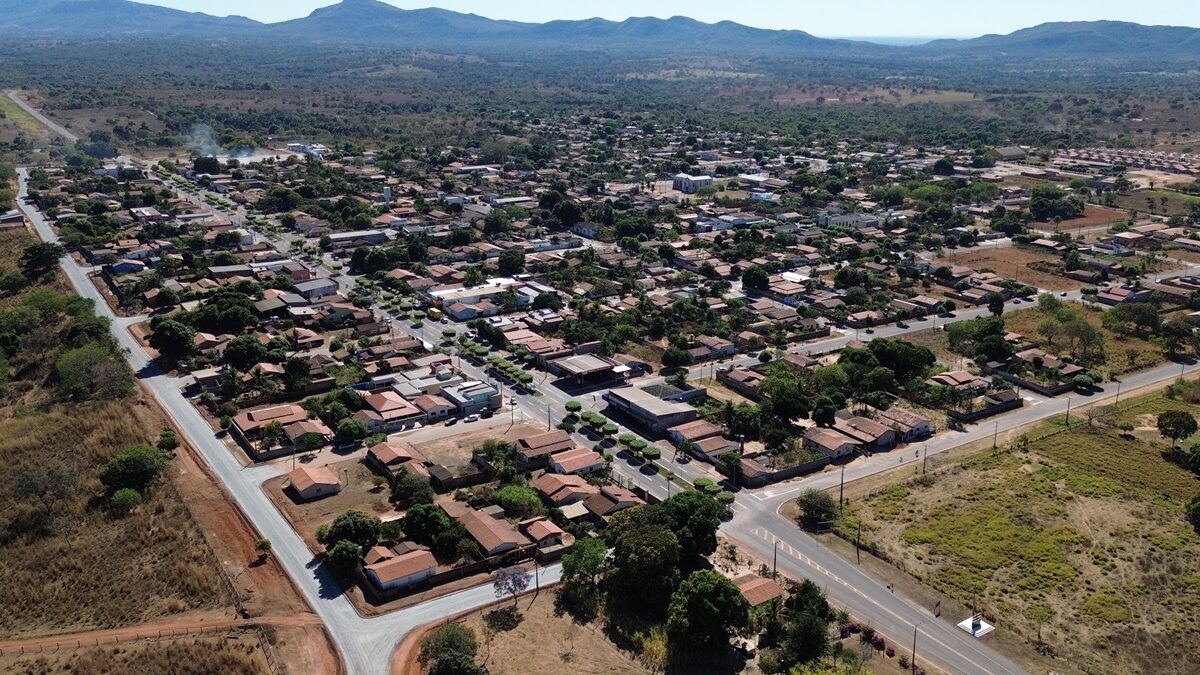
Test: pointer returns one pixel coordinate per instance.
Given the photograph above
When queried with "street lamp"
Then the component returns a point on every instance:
(914, 647)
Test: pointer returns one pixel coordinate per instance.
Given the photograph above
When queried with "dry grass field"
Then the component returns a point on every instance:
(1013, 262)
(1122, 353)
(1093, 216)
(233, 654)
(1081, 539)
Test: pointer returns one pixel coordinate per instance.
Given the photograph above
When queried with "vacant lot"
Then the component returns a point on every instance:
(1013, 262)
(1151, 201)
(234, 654)
(1081, 537)
(563, 646)
(1093, 216)
(1122, 354)
(451, 447)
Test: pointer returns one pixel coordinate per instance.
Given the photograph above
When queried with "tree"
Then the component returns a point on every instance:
(645, 559)
(1174, 334)
(805, 640)
(410, 489)
(450, 650)
(705, 611)
(124, 501)
(208, 165)
(695, 517)
(270, 435)
(349, 430)
(244, 352)
(48, 486)
(167, 440)
(944, 166)
(996, 304)
(581, 568)
(1193, 511)
(92, 371)
(423, 522)
(135, 468)
(1176, 425)
(263, 547)
(345, 557)
(816, 507)
(511, 581)
(511, 261)
(518, 501)
(755, 278)
(37, 260)
(173, 339)
(353, 526)
(674, 357)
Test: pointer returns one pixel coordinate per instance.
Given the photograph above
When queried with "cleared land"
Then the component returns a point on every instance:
(1014, 262)
(1082, 538)
(358, 493)
(1093, 216)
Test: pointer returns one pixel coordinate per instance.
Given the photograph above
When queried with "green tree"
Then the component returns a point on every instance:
(1193, 511)
(345, 558)
(645, 560)
(518, 501)
(410, 489)
(694, 518)
(510, 262)
(450, 650)
(244, 352)
(805, 640)
(755, 278)
(37, 260)
(705, 611)
(135, 468)
(1176, 425)
(353, 526)
(174, 340)
(996, 304)
(349, 430)
(424, 522)
(816, 507)
(582, 567)
(92, 371)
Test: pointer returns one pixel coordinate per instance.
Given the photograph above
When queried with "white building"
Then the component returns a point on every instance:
(690, 184)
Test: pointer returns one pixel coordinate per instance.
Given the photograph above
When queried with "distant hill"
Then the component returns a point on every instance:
(1082, 39)
(374, 23)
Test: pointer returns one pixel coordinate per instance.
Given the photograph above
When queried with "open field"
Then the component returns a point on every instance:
(1013, 262)
(1150, 201)
(451, 447)
(1122, 354)
(1082, 537)
(12, 114)
(1093, 216)
(800, 96)
(564, 645)
(235, 653)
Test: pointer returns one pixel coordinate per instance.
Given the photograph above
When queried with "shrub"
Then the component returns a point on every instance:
(725, 497)
(124, 501)
(135, 468)
(651, 452)
(878, 642)
(902, 661)
(891, 652)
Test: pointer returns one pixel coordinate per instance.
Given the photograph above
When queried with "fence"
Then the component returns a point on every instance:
(66, 642)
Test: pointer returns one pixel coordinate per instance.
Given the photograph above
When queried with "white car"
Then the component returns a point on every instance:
(471, 418)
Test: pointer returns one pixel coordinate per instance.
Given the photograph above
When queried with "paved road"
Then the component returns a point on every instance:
(37, 114)
(365, 644)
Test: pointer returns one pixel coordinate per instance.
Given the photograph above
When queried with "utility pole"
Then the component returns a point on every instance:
(995, 434)
(775, 561)
(1068, 412)
(914, 647)
(925, 459)
(842, 489)
(857, 550)
(547, 417)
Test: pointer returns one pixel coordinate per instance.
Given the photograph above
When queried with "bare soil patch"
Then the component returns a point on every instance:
(1093, 216)
(1014, 262)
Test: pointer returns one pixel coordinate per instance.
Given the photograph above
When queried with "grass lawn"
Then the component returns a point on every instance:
(13, 113)
(1083, 536)
(1122, 354)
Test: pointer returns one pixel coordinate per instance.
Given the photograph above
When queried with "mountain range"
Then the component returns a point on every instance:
(374, 23)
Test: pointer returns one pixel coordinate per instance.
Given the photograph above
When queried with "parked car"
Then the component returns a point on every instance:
(471, 418)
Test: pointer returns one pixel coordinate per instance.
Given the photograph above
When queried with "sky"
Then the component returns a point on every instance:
(842, 18)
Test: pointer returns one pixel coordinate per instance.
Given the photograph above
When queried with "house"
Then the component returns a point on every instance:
(542, 531)
(248, 423)
(494, 535)
(831, 442)
(472, 397)
(868, 432)
(694, 432)
(388, 411)
(577, 460)
(537, 448)
(960, 380)
(401, 571)
(758, 590)
(391, 457)
(434, 407)
(908, 425)
(563, 489)
(313, 482)
(609, 500)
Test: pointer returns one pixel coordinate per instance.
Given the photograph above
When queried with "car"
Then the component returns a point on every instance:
(901, 324)
(445, 320)
(471, 418)
(452, 421)
(486, 414)
(1063, 294)
(870, 331)
(1017, 301)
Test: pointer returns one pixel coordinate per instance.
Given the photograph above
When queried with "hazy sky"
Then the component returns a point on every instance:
(838, 18)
